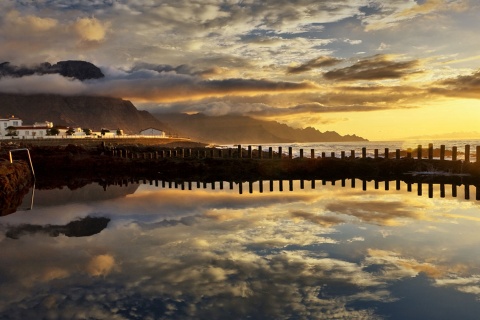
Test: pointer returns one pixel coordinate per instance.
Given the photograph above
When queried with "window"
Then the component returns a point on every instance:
(27, 133)
(5, 124)
(15, 123)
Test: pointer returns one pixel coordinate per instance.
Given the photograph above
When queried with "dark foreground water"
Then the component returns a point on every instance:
(307, 252)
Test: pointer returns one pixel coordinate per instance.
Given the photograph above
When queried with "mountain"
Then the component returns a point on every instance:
(82, 111)
(231, 129)
(80, 70)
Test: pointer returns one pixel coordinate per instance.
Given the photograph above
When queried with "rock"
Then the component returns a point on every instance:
(80, 70)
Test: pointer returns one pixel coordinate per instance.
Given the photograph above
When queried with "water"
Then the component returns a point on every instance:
(257, 250)
(338, 147)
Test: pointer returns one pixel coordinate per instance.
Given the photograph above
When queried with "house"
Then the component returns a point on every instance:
(153, 132)
(11, 121)
(32, 132)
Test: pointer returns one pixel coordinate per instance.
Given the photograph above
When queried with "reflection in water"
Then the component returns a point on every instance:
(282, 250)
(87, 226)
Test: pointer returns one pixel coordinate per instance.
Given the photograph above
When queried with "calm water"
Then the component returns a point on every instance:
(311, 251)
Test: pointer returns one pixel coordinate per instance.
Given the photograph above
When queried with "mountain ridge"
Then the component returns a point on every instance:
(232, 129)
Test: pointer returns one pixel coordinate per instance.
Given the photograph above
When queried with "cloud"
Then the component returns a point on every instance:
(382, 213)
(101, 265)
(378, 67)
(465, 86)
(90, 29)
(314, 64)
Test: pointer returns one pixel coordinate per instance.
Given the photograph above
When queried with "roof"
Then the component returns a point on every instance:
(31, 128)
(151, 129)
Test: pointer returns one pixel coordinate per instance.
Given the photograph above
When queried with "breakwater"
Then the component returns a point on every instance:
(246, 163)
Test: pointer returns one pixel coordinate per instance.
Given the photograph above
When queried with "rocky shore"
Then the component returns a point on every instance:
(15, 180)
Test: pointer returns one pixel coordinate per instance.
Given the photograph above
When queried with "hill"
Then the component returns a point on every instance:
(232, 129)
(83, 111)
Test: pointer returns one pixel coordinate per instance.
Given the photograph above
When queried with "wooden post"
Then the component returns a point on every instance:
(332, 154)
(364, 152)
(454, 153)
(250, 152)
(240, 151)
(386, 153)
(260, 153)
(270, 153)
(280, 152)
(230, 153)
(477, 155)
(212, 153)
(156, 155)
(430, 151)
(352, 154)
(375, 152)
(409, 153)
(301, 153)
(442, 152)
(290, 153)
(467, 153)
(419, 152)
(342, 155)
(312, 153)
(323, 155)
(397, 154)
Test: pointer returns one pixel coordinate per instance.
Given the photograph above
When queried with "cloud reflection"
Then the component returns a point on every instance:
(271, 256)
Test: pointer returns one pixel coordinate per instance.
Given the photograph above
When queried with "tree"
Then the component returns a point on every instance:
(53, 132)
(12, 131)
(70, 131)
(104, 131)
(87, 131)
(119, 132)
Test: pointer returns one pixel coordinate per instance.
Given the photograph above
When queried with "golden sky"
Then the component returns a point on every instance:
(383, 70)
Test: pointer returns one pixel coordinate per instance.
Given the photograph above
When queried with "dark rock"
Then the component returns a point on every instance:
(80, 70)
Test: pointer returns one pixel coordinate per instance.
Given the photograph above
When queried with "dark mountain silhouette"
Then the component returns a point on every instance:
(233, 129)
(80, 70)
(84, 112)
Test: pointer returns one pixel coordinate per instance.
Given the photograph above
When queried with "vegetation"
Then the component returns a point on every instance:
(12, 131)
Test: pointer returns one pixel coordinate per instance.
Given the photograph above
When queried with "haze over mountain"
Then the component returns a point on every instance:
(231, 129)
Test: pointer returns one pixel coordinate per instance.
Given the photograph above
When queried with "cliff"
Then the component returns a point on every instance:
(84, 111)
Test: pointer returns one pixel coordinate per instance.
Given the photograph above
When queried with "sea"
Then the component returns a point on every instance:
(338, 147)
(302, 249)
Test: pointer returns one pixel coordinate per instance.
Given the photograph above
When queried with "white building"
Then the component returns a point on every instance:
(32, 132)
(9, 122)
(153, 132)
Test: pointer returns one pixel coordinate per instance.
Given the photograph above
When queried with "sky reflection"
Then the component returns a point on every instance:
(328, 252)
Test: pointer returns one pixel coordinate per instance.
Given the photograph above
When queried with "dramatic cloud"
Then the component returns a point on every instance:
(313, 64)
(379, 67)
(467, 86)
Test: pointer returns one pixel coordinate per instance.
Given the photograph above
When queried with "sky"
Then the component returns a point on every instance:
(384, 70)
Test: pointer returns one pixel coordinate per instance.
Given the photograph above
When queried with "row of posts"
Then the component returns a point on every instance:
(173, 184)
(230, 153)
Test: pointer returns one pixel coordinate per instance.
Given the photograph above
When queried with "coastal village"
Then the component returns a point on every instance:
(12, 127)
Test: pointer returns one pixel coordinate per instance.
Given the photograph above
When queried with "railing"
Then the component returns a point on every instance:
(10, 154)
